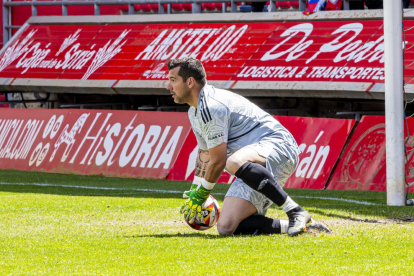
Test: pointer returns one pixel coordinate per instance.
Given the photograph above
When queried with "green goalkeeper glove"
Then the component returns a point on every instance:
(192, 208)
(196, 183)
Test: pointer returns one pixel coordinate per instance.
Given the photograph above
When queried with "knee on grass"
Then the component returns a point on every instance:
(225, 229)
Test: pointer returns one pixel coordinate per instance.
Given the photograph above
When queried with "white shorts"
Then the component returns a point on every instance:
(281, 161)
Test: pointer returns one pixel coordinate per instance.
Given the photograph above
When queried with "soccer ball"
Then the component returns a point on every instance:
(211, 213)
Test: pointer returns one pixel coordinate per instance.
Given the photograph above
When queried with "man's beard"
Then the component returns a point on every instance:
(183, 99)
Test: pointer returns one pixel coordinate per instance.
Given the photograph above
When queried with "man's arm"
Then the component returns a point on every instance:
(212, 161)
(203, 158)
(202, 163)
(217, 162)
(209, 166)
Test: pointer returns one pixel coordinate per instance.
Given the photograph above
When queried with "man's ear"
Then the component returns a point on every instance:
(190, 82)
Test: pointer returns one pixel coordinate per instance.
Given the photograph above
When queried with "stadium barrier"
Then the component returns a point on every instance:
(161, 145)
(320, 140)
(332, 54)
(363, 163)
(119, 143)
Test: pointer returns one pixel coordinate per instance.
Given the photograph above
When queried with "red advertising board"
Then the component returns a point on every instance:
(161, 145)
(363, 164)
(321, 141)
(327, 51)
(319, 51)
(111, 143)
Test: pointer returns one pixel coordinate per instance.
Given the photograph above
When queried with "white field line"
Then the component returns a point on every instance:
(165, 191)
(339, 199)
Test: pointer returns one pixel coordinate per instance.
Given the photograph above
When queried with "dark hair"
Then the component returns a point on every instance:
(189, 67)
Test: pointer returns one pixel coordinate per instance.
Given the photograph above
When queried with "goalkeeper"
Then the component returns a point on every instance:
(234, 134)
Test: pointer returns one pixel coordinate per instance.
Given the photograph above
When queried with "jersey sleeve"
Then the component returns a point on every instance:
(217, 129)
(200, 140)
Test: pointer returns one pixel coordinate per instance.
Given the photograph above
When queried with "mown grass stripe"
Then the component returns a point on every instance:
(165, 191)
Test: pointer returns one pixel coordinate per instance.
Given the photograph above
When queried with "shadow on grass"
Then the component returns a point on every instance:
(180, 235)
(396, 217)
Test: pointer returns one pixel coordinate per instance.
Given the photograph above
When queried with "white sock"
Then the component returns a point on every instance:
(284, 225)
(289, 204)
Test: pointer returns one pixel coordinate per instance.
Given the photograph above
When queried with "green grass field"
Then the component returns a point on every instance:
(53, 224)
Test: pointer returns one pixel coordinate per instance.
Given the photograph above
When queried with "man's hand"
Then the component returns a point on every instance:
(186, 194)
(192, 208)
(196, 182)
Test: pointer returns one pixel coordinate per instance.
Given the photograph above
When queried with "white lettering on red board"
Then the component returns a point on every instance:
(68, 41)
(317, 72)
(297, 43)
(313, 157)
(296, 50)
(344, 43)
(103, 142)
(14, 51)
(75, 58)
(133, 145)
(67, 137)
(17, 137)
(106, 53)
(178, 43)
(157, 72)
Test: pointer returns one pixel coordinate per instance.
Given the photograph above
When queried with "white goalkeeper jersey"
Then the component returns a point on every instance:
(223, 116)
